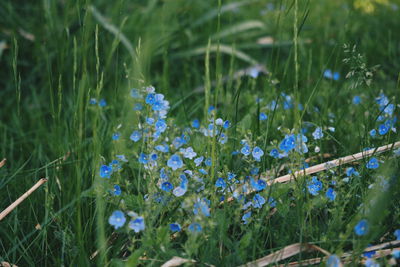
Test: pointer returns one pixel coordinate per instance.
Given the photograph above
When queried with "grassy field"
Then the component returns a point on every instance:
(276, 86)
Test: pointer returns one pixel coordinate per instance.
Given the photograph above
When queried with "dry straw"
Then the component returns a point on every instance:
(5, 212)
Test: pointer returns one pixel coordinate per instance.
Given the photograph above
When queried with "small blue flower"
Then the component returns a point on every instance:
(383, 129)
(188, 153)
(122, 158)
(115, 136)
(397, 234)
(263, 116)
(195, 228)
(318, 134)
(137, 224)
(369, 254)
(202, 206)
(288, 143)
(105, 171)
(220, 183)
(135, 93)
(351, 171)
(356, 100)
(333, 261)
(314, 186)
(389, 109)
(143, 158)
(372, 133)
(117, 190)
(93, 101)
(274, 153)
(180, 190)
(162, 148)
(198, 160)
(167, 186)
(245, 150)
(179, 141)
(246, 217)
(102, 103)
(150, 99)
(211, 109)
(196, 123)
(254, 171)
(117, 219)
(257, 153)
(330, 194)
(175, 162)
(331, 75)
(258, 185)
(258, 201)
(361, 228)
(208, 162)
(226, 124)
(175, 227)
(161, 126)
(373, 163)
(135, 136)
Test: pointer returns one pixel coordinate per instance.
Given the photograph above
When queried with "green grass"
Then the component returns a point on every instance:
(102, 49)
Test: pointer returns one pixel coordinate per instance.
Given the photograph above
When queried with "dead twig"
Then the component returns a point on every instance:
(5, 212)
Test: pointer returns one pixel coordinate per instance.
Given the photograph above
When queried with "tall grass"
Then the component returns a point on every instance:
(98, 49)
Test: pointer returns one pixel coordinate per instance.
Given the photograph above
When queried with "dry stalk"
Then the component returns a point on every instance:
(5, 212)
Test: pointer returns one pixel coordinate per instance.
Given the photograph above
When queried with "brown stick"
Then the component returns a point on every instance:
(2, 163)
(5, 212)
(335, 163)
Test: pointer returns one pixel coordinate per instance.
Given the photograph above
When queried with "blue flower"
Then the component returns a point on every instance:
(179, 141)
(196, 123)
(210, 109)
(102, 103)
(361, 228)
(117, 190)
(371, 263)
(372, 133)
(245, 150)
(333, 261)
(180, 190)
(258, 185)
(369, 254)
(246, 217)
(167, 186)
(389, 109)
(373, 163)
(188, 153)
(258, 201)
(93, 101)
(202, 206)
(175, 162)
(226, 124)
(115, 136)
(288, 143)
(208, 162)
(257, 153)
(274, 153)
(330, 194)
(161, 126)
(272, 202)
(137, 224)
(318, 134)
(150, 99)
(135, 136)
(135, 93)
(159, 103)
(220, 183)
(351, 171)
(314, 186)
(175, 227)
(397, 234)
(195, 228)
(143, 158)
(162, 148)
(122, 158)
(383, 129)
(198, 160)
(105, 171)
(356, 100)
(117, 219)
(263, 116)
(331, 75)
